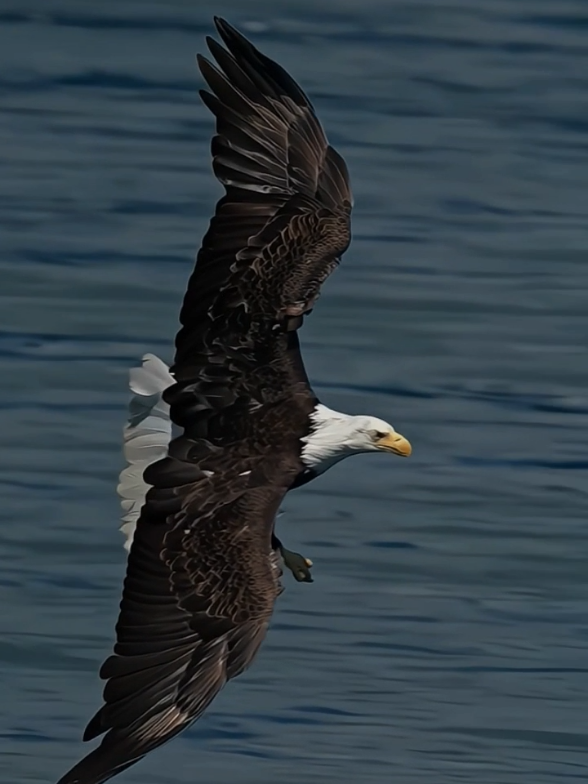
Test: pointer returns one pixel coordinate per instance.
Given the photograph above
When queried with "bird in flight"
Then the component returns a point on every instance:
(215, 442)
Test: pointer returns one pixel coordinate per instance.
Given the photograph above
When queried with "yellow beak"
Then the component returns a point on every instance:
(394, 442)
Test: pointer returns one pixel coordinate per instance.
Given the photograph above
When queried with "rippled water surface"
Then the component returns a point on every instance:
(444, 638)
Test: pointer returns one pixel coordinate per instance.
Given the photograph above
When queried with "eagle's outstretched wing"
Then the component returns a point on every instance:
(202, 578)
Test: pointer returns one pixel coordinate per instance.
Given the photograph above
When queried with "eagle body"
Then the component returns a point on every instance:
(214, 443)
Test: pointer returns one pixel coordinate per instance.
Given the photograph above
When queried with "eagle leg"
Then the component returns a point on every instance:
(296, 563)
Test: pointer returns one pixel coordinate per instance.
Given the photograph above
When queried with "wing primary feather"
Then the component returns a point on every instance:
(259, 68)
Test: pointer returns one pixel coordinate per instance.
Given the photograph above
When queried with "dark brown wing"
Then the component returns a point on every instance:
(199, 592)
(202, 578)
(285, 219)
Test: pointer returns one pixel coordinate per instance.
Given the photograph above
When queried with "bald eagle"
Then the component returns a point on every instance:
(215, 442)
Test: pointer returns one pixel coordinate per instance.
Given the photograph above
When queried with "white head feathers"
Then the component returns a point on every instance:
(335, 436)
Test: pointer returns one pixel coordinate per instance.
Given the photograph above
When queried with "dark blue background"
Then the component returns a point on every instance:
(444, 639)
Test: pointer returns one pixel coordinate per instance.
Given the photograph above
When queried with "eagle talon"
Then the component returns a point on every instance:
(298, 565)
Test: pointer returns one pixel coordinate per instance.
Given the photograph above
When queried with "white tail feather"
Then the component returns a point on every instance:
(146, 437)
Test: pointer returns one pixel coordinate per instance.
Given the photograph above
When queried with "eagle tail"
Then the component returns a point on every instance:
(146, 436)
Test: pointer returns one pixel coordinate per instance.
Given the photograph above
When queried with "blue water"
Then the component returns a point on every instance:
(445, 636)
